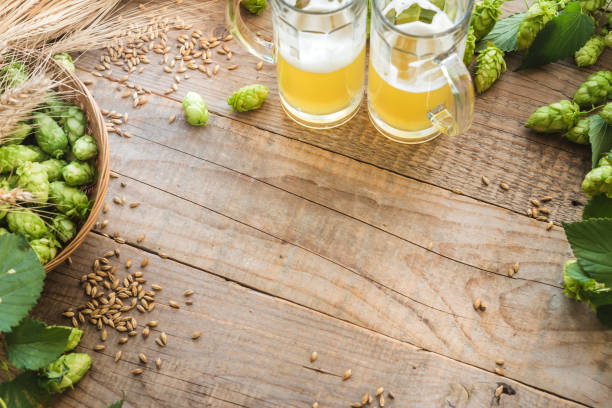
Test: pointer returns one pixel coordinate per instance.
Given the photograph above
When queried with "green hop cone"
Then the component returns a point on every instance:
(608, 39)
(74, 122)
(470, 46)
(540, 13)
(3, 231)
(19, 134)
(556, 117)
(27, 223)
(590, 52)
(45, 249)
(66, 60)
(50, 136)
(254, 6)
(248, 98)
(69, 200)
(64, 372)
(55, 106)
(33, 178)
(53, 167)
(195, 109)
(13, 156)
(13, 75)
(594, 90)
(592, 5)
(579, 133)
(85, 148)
(485, 16)
(606, 113)
(63, 228)
(79, 173)
(490, 64)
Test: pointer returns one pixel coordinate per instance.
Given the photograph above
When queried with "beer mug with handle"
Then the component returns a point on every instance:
(318, 47)
(418, 85)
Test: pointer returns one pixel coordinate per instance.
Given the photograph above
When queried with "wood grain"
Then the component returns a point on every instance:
(497, 145)
(254, 351)
(355, 272)
(460, 228)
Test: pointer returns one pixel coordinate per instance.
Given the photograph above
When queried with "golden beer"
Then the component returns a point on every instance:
(405, 109)
(321, 93)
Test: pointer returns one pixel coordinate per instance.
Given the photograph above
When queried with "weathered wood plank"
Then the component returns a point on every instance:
(254, 351)
(497, 145)
(361, 274)
(460, 228)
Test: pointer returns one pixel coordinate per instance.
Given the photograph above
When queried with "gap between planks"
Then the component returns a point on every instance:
(391, 171)
(316, 312)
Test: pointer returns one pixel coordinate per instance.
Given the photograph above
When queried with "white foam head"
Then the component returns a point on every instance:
(310, 50)
(421, 74)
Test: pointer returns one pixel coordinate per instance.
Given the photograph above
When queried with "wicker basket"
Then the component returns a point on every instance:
(97, 130)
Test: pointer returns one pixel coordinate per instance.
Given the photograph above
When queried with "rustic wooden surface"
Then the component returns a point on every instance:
(344, 243)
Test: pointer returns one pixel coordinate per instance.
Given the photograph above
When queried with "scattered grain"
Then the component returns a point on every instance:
(196, 335)
(172, 119)
(313, 356)
(499, 362)
(259, 66)
(379, 391)
(99, 347)
(485, 180)
(134, 205)
(504, 186)
(477, 304)
(142, 357)
(498, 371)
(347, 374)
(173, 304)
(152, 323)
(546, 198)
(549, 226)
(137, 371)
(188, 292)
(499, 390)
(534, 202)
(144, 262)
(118, 356)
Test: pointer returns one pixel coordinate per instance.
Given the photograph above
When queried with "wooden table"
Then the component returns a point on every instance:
(343, 243)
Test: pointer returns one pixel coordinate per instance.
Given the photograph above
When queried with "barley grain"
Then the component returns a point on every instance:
(347, 374)
(313, 356)
(158, 363)
(379, 391)
(499, 390)
(142, 357)
(196, 335)
(485, 180)
(137, 371)
(259, 66)
(99, 347)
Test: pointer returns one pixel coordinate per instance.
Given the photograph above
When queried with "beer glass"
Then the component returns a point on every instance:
(319, 50)
(418, 86)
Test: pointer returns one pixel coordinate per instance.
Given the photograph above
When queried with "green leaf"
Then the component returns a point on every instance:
(600, 136)
(24, 392)
(599, 206)
(21, 280)
(591, 241)
(503, 34)
(560, 38)
(118, 404)
(32, 345)
(604, 314)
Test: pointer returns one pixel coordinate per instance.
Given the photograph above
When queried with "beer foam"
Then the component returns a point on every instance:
(419, 75)
(314, 52)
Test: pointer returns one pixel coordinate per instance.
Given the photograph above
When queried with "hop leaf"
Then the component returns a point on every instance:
(594, 90)
(21, 280)
(556, 117)
(590, 52)
(490, 65)
(33, 345)
(248, 98)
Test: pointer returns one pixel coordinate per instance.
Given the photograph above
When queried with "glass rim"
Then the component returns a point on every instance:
(449, 30)
(320, 13)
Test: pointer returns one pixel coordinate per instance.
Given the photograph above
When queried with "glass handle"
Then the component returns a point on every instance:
(456, 119)
(256, 45)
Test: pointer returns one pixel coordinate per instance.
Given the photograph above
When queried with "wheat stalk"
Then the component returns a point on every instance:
(34, 23)
(18, 103)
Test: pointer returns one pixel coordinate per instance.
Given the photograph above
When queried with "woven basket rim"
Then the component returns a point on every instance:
(98, 131)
